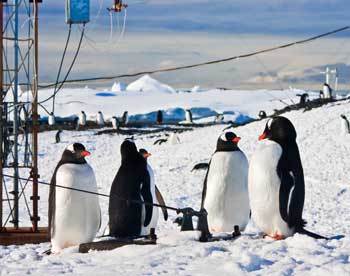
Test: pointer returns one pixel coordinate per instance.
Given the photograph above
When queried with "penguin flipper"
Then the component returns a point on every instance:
(161, 202)
(52, 204)
(204, 192)
(147, 197)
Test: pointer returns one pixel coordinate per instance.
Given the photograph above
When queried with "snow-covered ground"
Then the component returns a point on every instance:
(145, 96)
(325, 157)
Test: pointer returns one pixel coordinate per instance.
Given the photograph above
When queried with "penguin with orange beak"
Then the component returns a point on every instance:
(156, 196)
(74, 217)
(225, 189)
(276, 182)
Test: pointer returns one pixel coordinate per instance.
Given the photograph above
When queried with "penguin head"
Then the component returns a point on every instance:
(144, 153)
(280, 130)
(75, 153)
(128, 149)
(228, 141)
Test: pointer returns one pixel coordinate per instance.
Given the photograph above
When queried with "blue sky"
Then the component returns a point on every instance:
(163, 32)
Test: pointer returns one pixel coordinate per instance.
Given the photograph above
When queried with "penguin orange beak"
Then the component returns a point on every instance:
(146, 155)
(85, 153)
(236, 139)
(262, 136)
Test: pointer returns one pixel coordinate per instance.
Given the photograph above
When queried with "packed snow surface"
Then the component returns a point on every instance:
(325, 158)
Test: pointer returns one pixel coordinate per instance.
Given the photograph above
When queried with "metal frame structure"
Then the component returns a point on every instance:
(19, 122)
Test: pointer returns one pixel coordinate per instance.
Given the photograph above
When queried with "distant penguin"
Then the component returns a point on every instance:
(327, 91)
(82, 118)
(115, 123)
(99, 119)
(321, 95)
(189, 118)
(58, 136)
(132, 182)
(225, 190)
(74, 217)
(174, 138)
(262, 114)
(303, 98)
(219, 118)
(160, 141)
(156, 196)
(200, 166)
(51, 119)
(276, 182)
(159, 117)
(345, 125)
(125, 118)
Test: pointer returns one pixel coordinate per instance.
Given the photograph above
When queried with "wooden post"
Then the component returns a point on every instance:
(1, 112)
(34, 173)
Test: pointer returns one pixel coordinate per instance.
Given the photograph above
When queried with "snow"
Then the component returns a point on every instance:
(324, 154)
(147, 84)
(118, 87)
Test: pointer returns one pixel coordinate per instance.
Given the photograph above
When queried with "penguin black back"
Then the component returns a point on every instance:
(131, 182)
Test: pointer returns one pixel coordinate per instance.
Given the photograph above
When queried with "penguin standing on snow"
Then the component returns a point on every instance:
(276, 182)
(345, 125)
(74, 217)
(225, 191)
(156, 196)
(132, 183)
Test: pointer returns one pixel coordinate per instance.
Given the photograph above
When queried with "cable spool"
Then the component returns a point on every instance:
(51, 119)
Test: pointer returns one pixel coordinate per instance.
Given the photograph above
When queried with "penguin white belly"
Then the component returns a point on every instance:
(226, 200)
(264, 188)
(77, 214)
(155, 213)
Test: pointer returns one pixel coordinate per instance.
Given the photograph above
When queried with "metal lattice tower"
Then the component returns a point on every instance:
(19, 122)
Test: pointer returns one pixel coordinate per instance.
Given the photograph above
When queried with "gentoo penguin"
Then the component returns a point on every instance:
(200, 166)
(174, 138)
(51, 119)
(276, 182)
(262, 114)
(131, 184)
(156, 196)
(125, 118)
(99, 119)
(225, 191)
(74, 217)
(188, 115)
(345, 125)
(58, 136)
(159, 117)
(115, 123)
(82, 118)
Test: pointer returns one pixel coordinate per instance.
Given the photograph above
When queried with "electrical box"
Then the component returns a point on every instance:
(77, 11)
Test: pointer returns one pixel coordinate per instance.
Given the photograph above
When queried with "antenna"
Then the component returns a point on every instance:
(118, 6)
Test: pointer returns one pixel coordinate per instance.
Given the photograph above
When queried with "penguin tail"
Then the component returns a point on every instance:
(310, 234)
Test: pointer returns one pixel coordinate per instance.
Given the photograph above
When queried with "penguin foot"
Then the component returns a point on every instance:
(275, 236)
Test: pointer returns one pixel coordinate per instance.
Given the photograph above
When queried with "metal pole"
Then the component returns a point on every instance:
(35, 175)
(15, 118)
(1, 113)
